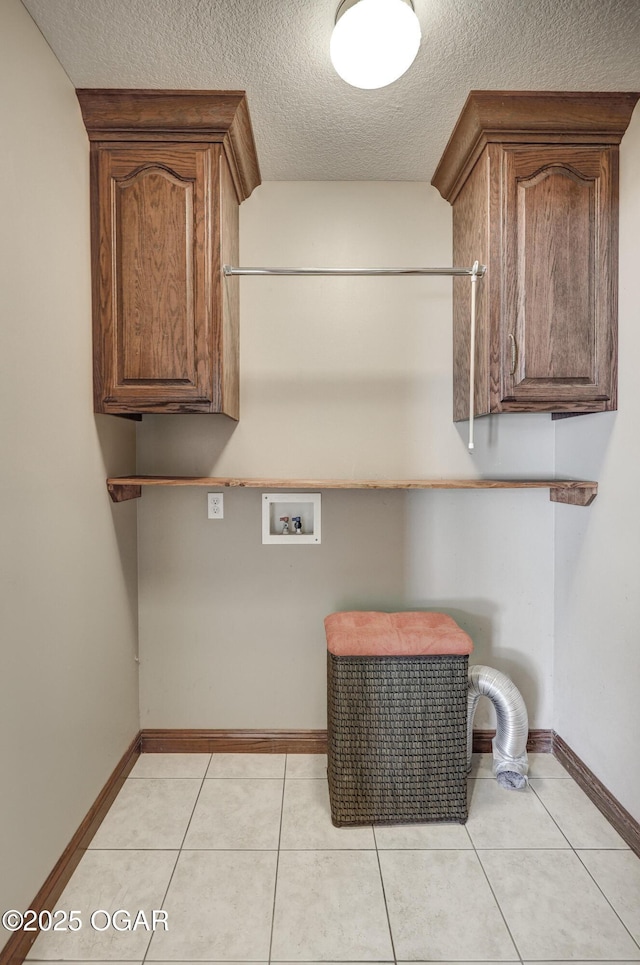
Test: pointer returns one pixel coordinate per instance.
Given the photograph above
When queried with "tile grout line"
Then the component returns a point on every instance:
(275, 883)
(240, 777)
(569, 848)
(626, 846)
(164, 898)
(384, 897)
(195, 804)
(495, 898)
(565, 836)
(575, 851)
(613, 909)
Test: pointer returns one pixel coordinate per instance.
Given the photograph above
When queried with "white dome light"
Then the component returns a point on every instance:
(374, 42)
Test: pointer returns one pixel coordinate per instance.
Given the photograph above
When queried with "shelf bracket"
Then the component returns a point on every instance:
(574, 497)
(120, 492)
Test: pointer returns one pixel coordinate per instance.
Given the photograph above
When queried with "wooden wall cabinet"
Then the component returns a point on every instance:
(533, 180)
(168, 172)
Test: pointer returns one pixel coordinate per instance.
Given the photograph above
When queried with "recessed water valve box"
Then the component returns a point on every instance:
(291, 519)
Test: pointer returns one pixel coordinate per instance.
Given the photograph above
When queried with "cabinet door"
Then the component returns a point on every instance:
(559, 313)
(152, 317)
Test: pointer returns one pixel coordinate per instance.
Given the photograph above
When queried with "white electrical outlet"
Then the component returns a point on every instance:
(215, 505)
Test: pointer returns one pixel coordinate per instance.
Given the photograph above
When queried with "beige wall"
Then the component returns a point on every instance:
(597, 664)
(69, 703)
(347, 378)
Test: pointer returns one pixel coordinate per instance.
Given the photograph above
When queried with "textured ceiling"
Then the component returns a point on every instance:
(309, 124)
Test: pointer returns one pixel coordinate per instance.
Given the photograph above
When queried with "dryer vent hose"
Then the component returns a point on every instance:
(510, 764)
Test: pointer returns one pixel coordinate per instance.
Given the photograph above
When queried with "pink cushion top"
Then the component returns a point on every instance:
(369, 633)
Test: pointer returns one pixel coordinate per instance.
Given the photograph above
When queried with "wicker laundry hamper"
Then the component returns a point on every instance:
(397, 718)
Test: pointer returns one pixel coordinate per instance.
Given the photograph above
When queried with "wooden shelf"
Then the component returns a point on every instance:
(577, 492)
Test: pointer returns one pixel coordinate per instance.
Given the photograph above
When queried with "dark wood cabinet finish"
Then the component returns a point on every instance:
(168, 172)
(533, 180)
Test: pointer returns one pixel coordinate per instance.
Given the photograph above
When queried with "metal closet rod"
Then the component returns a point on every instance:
(476, 271)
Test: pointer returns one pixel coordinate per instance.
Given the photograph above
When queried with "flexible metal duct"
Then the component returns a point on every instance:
(510, 764)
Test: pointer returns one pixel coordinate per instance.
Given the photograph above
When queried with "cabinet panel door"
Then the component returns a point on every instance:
(559, 313)
(155, 282)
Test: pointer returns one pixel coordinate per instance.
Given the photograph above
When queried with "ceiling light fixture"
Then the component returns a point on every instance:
(374, 41)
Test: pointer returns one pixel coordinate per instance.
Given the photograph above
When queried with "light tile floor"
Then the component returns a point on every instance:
(240, 852)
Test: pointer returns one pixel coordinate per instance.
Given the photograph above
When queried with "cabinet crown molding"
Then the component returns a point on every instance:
(180, 115)
(529, 117)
